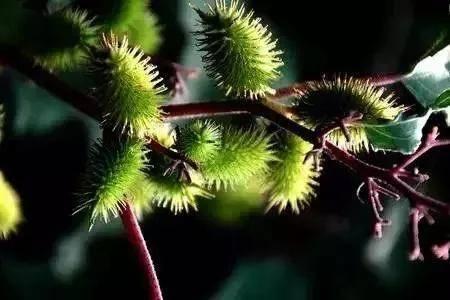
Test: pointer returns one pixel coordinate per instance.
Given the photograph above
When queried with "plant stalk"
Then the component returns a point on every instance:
(134, 234)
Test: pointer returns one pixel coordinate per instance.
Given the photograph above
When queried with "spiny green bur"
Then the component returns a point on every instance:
(240, 54)
(228, 156)
(329, 101)
(178, 195)
(65, 38)
(113, 169)
(200, 140)
(164, 189)
(10, 211)
(58, 41)
(129, 87)
(291, 180)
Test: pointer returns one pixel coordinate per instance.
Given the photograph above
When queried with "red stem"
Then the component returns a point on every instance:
(363, 169)
(87, 104)
(134, 234)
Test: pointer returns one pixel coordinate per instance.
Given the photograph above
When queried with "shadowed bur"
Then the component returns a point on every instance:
(67, 35)
(327, 102)
(240, 54)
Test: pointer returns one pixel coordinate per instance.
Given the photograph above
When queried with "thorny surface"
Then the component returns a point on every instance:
(392, 183)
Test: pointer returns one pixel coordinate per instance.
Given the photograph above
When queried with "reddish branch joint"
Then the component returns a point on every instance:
(422, 206)
(174, 75)
(321, 133)
(180, 163)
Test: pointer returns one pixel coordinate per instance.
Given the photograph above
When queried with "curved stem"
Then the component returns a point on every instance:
(86, 104)
(363, 169)
(136, 238)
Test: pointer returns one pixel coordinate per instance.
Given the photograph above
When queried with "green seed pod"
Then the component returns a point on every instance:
(130, 89)
(170, 191)
(200, 140)
(328, 102)
(161, 188)
(113, 170)
(10, 212)
(64, 37)
(240, 54)
(292, 179)
(242, 154)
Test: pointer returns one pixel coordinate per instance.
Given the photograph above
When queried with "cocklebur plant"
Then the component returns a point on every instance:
(239, 52)
(227, 156)
(292, 178)
(60, 39)
(329, 102)
(10, 210)
(57, 40)
(200, 140)
(70, 33)
(167, 190)
(128, 87)
(141, 163)
(114, 167)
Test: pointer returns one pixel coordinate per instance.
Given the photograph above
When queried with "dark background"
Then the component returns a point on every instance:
(230, 249)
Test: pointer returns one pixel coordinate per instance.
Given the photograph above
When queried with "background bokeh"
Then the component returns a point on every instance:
(230, 249)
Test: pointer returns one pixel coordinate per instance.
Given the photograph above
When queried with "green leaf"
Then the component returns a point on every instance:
(430, 78)
(401, 135)
(443, 100)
